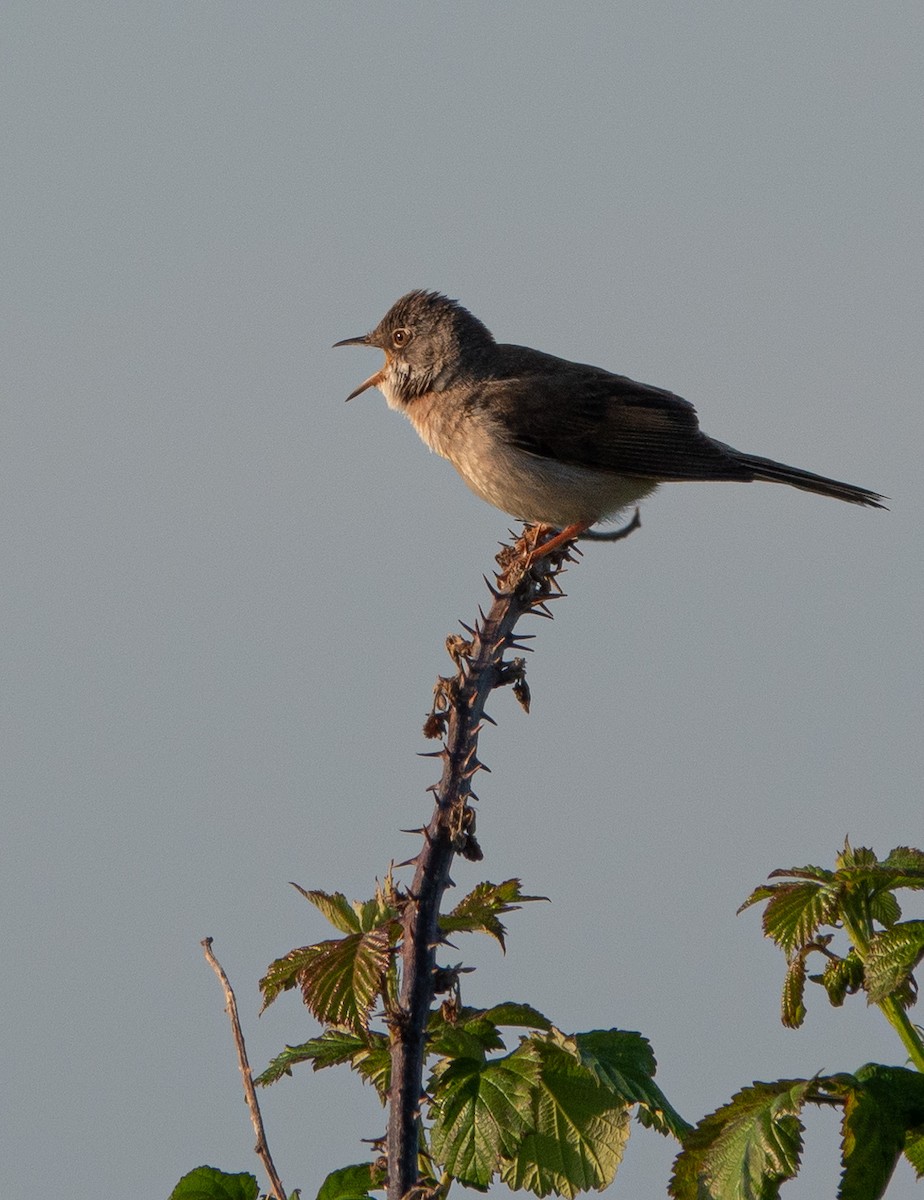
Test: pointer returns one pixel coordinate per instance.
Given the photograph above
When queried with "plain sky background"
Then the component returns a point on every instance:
(225, 593)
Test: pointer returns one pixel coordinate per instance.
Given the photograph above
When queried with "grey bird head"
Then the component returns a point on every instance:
(425, 338)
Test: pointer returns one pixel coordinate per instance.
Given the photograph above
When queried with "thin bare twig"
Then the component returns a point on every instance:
(250, 1095)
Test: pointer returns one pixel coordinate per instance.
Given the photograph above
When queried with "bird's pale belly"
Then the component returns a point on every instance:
(539, 489)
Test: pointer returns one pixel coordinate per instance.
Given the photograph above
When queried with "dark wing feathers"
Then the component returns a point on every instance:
(587, 417)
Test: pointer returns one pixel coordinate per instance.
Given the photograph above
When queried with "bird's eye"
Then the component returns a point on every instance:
(401, 337)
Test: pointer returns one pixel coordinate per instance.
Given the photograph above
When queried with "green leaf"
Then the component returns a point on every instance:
(334, 906)
(908, 864)
(841, 976)
(795, 912)
(458, 1041)
(341, 981)
(879, 1112)
(522, 1016)
(579, 1128)
(793, 1006)
(283, 974)
(367, 1053)
(351, 1183)
(478, 912)
(481, 1111)
(747, 1148)
(625, 1063)
(208, 1183)
(884, 908)
(855, 858)
(914, 1150)
(892, 956)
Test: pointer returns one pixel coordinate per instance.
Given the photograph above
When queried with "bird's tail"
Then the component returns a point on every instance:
(768, 471)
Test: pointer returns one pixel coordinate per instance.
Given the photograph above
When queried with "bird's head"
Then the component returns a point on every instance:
(425, 338)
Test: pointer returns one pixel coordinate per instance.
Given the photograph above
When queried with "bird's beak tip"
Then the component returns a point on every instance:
(372, 381)
(362, 340)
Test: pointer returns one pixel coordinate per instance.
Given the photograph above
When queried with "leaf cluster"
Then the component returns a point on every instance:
(858, 897)
(753, 1144)
(550, 1115)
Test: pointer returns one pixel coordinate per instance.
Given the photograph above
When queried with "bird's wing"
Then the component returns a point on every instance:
(587, 417)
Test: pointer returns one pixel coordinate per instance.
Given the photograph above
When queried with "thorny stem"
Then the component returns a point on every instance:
(481, 668)
(250, 1095)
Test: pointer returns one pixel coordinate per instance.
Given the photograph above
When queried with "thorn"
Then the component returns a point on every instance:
(408, 862)
(432, 753)
(490, 720)
(421, 829)
(468, 629)
(495, 592)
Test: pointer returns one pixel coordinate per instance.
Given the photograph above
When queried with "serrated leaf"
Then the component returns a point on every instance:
(334, 906)
(522, 1016)
(908, 862)
(914, 1150)
(884, 908)
(283, 974)
(478, 912)
(795, 912)
(351, 1183)
(341, 981)
(792, 1007)
(891, 957)
(208, 1183)
(746, 1148)
(471, 1041)
(367, 1053)
(625, 1063)
(855, 857)
(579, 1128)
(879, 1111)
(481, 1110)
(840, 977)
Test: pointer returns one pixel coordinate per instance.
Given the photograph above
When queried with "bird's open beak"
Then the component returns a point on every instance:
(373, 380)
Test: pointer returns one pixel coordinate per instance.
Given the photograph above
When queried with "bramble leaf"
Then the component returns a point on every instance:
(748, 1147)
(208, 1183)
(341, 981)
(891, 957)
(283, 974)
(367, 1053)
(885, 1104)
(792, 1006)
(334, 906)
(795, 912)
(481, 1111)
(351, 1183)
(523, 1016)
(579, 1128)
(841, 976)
(478, 912)
(914, 1149)
(625, 1063)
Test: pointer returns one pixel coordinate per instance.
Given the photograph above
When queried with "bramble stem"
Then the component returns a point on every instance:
(481, 668)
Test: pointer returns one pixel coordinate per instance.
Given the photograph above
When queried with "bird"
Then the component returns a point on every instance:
(557, 444)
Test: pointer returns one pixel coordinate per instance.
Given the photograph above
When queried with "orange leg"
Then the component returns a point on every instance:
(568, 534)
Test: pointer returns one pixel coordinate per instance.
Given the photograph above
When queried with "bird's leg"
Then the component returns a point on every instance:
(568, 534)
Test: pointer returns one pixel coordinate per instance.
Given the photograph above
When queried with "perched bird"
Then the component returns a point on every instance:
(551, 442)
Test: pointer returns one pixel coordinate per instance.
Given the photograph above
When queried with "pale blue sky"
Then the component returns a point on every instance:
(225, 592)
